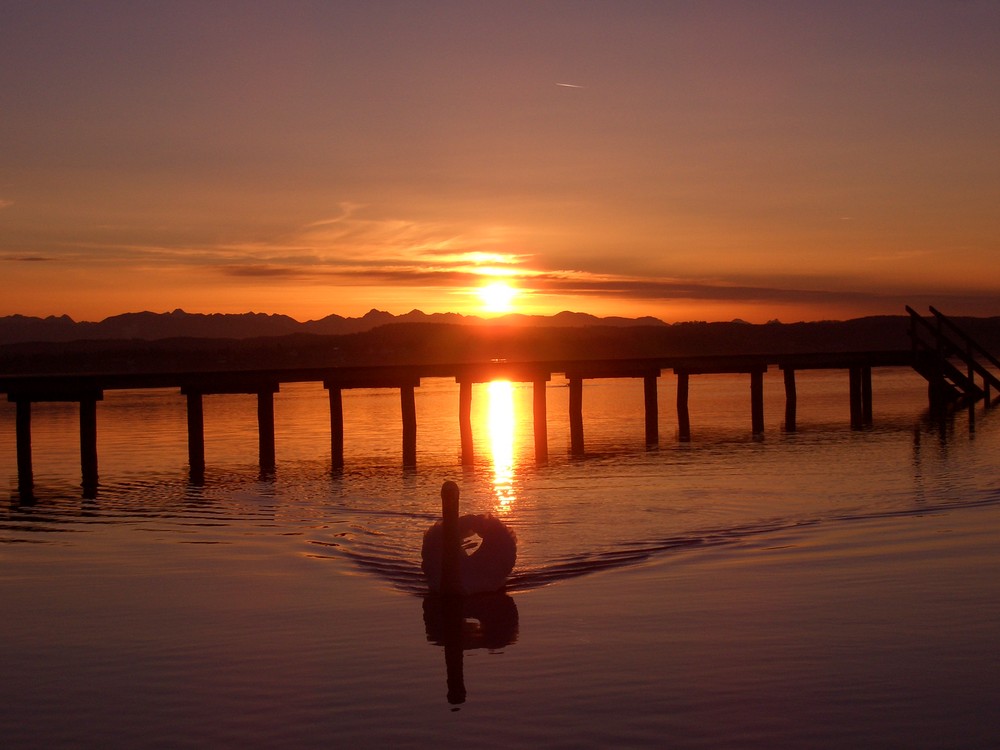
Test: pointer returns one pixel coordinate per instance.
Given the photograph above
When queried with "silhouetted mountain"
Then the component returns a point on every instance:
(431, 342)
(151, 326)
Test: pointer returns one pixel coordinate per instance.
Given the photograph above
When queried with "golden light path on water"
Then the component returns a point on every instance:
(501, 432)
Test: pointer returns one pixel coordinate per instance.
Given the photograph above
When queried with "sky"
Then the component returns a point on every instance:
(685, 160)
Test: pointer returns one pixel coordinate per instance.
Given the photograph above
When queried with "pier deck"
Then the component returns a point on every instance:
(939, 348)
(88, 389)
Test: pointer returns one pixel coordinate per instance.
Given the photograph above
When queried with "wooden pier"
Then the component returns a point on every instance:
(935, 348)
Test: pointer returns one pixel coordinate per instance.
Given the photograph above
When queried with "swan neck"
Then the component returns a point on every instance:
(451, 579)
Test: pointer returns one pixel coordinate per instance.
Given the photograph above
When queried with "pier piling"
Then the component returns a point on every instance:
(576, 416)
(88, 445)
(791, 399)
(866, 395)
(652, 409)
(265, 429)
(409, 413)
(539, 422)
(465, 421)
(25, 478)
(683, 417)
(196, 433)
(757, 401)
(336, 427)
(861, 396)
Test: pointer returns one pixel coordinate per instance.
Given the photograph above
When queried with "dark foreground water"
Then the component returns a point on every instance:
(827, 588)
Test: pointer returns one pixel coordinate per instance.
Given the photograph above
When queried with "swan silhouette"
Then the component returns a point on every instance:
(446, 564)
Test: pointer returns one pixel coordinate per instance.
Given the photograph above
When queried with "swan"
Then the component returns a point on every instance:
(447, 566)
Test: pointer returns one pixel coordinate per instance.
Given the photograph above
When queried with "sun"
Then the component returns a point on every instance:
(498, 297)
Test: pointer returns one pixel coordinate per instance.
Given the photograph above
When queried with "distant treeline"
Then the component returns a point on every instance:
(440, 343)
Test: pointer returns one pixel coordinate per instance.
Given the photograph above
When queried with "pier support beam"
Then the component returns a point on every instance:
(336, 427)
(683, 417)
(87, 397)
(652, 410)
(791, 399)
(861, 396)
(265, 429)
(88, 445)
(409, 410)
(757, 401)
(576, 416)
(540, 423)
(196, 434)
(465, 421)
(25, 476)
(866, 395)
(407, 401)
(855, 397)
(195, 393)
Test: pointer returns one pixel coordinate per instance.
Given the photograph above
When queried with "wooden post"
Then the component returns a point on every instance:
(576, 416)
(409, 410)
(866, 396)
(265, 429)
(652, 410)
(791, 399)
(336, 427)
(541, 428)
(683, 418)
(465, 421)
(196, 433)
(88, 443)
(855, 397)
(757, 401)
(25, 476)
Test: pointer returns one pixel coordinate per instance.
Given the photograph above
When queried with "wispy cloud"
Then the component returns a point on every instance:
(350, 249)
(5, 203)
(358, 250)
(900, 256)
(416, 273)
(679, 289)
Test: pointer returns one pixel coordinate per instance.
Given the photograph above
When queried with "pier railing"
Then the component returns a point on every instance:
(940, 348)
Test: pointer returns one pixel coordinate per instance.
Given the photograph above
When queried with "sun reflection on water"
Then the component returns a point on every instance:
(501, 432)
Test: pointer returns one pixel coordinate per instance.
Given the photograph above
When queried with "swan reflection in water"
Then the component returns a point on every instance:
(466, 623)
(467, 608)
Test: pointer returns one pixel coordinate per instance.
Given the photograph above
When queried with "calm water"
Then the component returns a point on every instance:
(824, 588)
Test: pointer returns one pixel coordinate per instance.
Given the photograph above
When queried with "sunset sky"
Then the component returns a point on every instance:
(686, 160)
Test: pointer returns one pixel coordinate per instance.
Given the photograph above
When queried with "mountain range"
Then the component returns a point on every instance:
(178, 341)
(150, 326)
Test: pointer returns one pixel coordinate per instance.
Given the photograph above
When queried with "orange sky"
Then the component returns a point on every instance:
(710, 161)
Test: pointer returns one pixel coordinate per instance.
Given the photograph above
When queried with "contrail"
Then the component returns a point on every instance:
(570, 85)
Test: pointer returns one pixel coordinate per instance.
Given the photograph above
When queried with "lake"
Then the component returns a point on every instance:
(823, 588)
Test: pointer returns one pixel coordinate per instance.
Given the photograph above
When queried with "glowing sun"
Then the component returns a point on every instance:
(498, 297)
